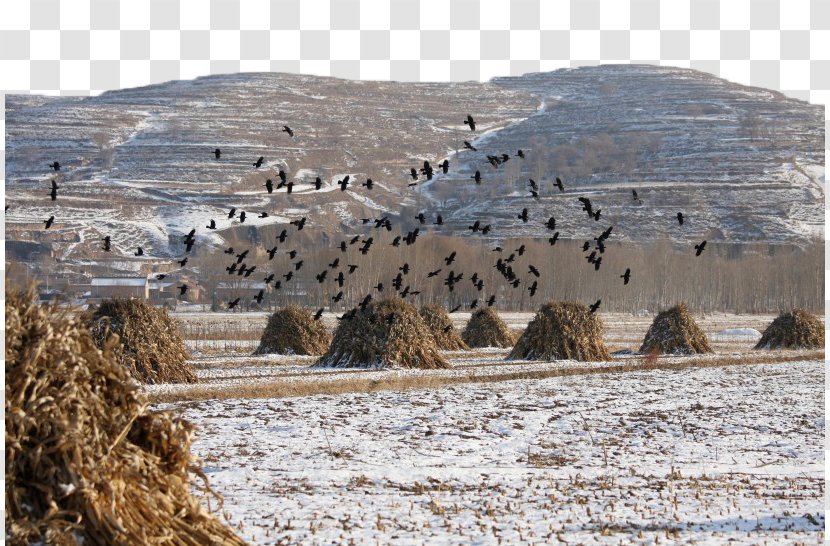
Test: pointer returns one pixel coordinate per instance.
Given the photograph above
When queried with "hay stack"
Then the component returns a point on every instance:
(443, 331)
(795, 330)
(151, 348)
(562, 331)
(86, 461)
(293, 330)
(387, 333)
(486, 329)
(675, 332)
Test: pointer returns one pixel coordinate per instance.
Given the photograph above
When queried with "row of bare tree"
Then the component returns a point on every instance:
(741, 278)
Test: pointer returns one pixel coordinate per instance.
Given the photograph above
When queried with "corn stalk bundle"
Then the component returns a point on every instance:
(151, 346)
(387, 333)
(795, 330)
(443, 331)
(86, 461)
(487, 329)
(562, 331)
(675, 331)
(292, 330)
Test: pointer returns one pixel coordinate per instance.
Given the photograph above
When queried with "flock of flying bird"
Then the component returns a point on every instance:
(502, 265)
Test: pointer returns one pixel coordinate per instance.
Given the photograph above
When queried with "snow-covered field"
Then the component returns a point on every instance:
(694, 455)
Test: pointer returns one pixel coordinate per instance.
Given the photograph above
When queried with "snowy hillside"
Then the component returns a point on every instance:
(744, 164)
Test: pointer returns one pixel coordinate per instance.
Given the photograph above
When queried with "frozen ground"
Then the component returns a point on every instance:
(697, 455)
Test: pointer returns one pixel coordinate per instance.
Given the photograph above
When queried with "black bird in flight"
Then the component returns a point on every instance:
(595, 306)
(445, 166)
(475, 227)
(471, 122)
(282, 236)
(287, 129)
(54, 192)
(352, 268)
(396, 241)
(586, 205)
(596, 215)
(182, 262)
(378, 287)
(369, 184)
(217, 153)
(699, 248)
(49, 222)
(491, 300)
(242, 217)
(234, 303)
(523, 216)
(421, 218)
(241, 256)
(321, 277)
(231, 269)
(413, 173)
(55, 166)
(534, 194)
(232, 212)
(597, 262)
(299, 223)
(160, 276)
(470, 146)
(605, 234)
(552, 240)
(521, 250)
(337, 297)
(139, 252)
(335, 264)
(626, 276)
(532, 288)
(340, 279)
(292, 254)
(532, 270)
(680, 218)
(427, 170)
(188, 245)
(263, 215)
(450, 259)
(344, 183)
(433, 273)
(298, 265)
(559, 184)
(477, 177)
(269, 185)
(288, 276)
(318, 183)
(456, 308)
(228, 250)
(259, 161)
(107, 244)
(319, 314)
(269, 278)
(259, 296)
(212, 224)
(533, 184)
(182, 289)
(551, 223)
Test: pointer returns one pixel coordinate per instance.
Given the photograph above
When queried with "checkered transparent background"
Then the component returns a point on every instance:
(78, 47)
